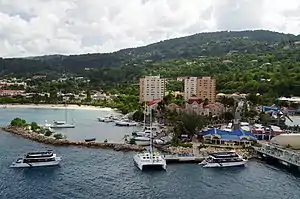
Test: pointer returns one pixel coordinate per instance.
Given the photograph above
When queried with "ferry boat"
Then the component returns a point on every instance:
(223, 159)
(37, 159)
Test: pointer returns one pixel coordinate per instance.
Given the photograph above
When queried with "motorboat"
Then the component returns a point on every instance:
(125, 122)
(223, 159)
(149, 160)
(109, 118)
(90, 139)
(142, 139)
(37, 159)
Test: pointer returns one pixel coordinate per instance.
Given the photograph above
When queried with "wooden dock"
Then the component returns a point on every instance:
(183, 159)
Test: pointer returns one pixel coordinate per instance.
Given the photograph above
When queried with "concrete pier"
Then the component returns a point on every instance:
(285, 156)
(183, 159)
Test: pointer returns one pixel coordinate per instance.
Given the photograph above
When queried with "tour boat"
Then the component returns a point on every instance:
(223, 159)
(37, 159)
(125, 122)
(150, 160)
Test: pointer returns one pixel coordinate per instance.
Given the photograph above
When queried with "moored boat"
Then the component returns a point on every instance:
(37, 159)
(223, 159)
(125, 123)
(90, 139)
(150, 160)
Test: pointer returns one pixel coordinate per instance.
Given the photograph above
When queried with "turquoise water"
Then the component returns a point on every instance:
(86, 124)
(97, 173)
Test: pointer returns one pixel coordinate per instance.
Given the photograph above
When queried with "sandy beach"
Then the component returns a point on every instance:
(55, 106)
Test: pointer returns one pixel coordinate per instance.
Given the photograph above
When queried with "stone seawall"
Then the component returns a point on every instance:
(63, 142)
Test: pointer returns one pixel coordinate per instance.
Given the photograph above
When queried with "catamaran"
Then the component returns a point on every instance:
(37, 159)
(150, 159)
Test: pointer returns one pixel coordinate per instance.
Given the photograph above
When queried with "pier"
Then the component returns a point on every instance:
(285, 156)
(183, 158)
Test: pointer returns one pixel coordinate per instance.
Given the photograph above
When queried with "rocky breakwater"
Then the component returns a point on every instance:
(175, 150)
(63, 142)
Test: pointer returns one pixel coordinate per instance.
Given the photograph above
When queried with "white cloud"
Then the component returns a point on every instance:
(37, 27)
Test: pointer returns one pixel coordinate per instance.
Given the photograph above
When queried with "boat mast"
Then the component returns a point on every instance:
(66, 114)
(145, 113)
(151, 138)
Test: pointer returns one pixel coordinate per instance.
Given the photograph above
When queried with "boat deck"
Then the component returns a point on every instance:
(288, 156)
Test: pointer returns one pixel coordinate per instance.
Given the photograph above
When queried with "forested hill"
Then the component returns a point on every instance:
(195, 46)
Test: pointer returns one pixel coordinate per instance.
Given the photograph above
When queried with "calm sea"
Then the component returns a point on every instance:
(104, 174)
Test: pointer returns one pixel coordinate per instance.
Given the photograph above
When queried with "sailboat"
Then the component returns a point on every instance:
(150, 159)
(60, 124)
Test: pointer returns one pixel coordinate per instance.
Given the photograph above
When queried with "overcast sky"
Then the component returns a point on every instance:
(38, 27)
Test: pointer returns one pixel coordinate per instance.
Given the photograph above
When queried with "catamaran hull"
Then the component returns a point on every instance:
(36, 164)
(225, 164)
(149, 165)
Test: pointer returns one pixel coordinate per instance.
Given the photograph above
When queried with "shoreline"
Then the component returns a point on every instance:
(56, 106)
(66, 143)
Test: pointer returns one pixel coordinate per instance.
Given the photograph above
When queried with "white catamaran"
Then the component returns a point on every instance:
(150, 159)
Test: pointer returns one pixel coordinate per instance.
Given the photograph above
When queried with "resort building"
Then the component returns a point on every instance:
(202, 88)
(190, 87)
(152, 88)
(196, 106)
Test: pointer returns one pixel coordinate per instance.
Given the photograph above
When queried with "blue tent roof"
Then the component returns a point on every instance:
(230, 137)
(225, 135)
(238, 132)
(249, 134)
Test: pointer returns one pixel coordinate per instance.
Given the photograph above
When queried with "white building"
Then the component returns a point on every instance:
(152, 88)
(190, 87)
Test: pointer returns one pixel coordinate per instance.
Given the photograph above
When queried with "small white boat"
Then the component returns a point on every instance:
(109, 118)
(125, 122)
(223, 159)
(149, 160)
(37, 159)
(58, 124)
(142, 139)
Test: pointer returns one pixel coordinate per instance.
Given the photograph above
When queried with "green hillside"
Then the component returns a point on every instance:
(245, 61)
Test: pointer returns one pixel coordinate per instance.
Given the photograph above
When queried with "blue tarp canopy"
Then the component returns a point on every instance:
(235, 135)
(230, 137)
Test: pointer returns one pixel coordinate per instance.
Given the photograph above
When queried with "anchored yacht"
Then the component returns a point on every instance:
(59, 125)
(37, 159)
(223, 159)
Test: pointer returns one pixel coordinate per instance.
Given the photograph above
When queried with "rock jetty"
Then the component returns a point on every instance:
(63, 142)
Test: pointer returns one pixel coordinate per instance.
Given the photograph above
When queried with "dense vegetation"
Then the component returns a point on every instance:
(260, 61)
(33, 126)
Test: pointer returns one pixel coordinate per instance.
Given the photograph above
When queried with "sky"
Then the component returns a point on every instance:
(44, 27)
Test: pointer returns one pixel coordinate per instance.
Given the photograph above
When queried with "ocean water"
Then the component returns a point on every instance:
(86, 123)
(97, 173)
